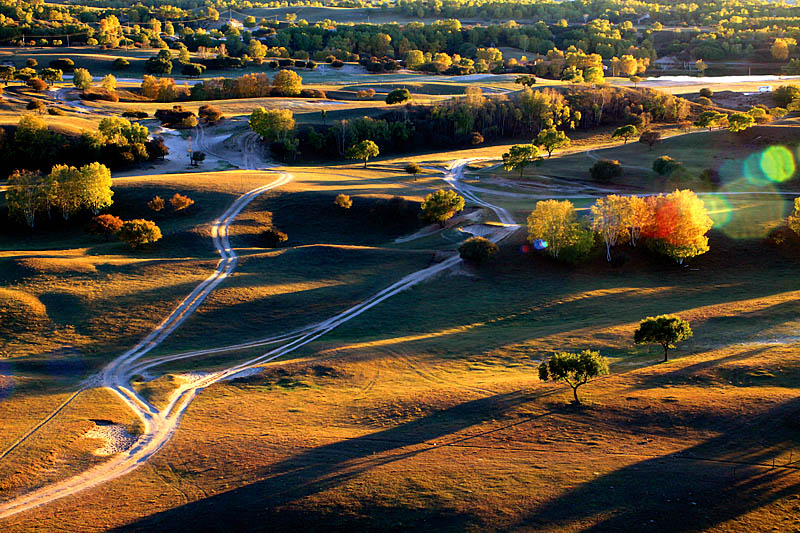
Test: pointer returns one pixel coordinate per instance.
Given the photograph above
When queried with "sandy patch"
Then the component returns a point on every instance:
(116, 439)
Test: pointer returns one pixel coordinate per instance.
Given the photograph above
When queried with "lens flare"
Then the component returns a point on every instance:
(753, 209)
(751, 170)
(719, 209)
(777, 163)
(540, 244)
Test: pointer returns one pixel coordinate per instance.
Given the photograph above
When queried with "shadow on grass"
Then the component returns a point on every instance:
(277, 501)
(691, 490)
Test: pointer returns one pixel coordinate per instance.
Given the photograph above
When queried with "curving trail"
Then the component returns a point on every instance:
(159, 425)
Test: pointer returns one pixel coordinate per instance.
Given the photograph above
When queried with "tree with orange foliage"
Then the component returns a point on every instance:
(678, 225)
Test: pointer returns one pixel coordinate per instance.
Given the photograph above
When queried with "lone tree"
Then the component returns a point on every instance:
(665, 330)
(740, 121)
(413, 169)
(363, 150)
(650, 138)
(625, 133)
(343, 201)
(139, 232)
(520, 156)
(709, 119)
(477, 250)
(439, 206)
(398, 96)
(156, 204)
(574, 369)
(197, 158)
(82, 79)
(552, 139)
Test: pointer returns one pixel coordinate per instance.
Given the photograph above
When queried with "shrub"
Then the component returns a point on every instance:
(650, 138)
(441, 205)
(272, 238)
(705, 102)
(187, 123)
(784, 95)
(64, 64)
(133, 113)
(665, 165)
(120, 64)
(711, 177)
(209, 113)
(343, 201)
(605, 170)
(106, 225)
(477, 250)
(312, 93)
(36, 105)
(156, 204)
(37, 84)
(56, 111)
(180, 202)
(476, 138)
(398, 96)
(706, 92)
(139, 232)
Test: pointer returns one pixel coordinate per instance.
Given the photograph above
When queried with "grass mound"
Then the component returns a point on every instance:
(21, 311)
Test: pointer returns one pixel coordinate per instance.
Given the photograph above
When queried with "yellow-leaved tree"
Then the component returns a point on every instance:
(678, 225)
(556, 223)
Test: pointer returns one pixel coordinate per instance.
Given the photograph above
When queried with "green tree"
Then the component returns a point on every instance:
(740, 121)
(82, 79)
(109, 83)
(398, 96)
(51, 75)
(709, 119)
(139, 232)
(363, 150)
(520, 156)
(605, 170)
(625, 132)
(95, 184)
(552, 139)
(441, 205)
(665, 330)
(288, 82)
(574, 369)
(272, 125)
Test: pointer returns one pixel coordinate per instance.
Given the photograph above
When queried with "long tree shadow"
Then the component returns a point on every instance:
(268, 503)
(691, 490)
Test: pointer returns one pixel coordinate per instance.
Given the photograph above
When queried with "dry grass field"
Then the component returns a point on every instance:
(425, 411)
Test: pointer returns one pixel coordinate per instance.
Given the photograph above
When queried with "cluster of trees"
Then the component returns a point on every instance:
(674, 225)
(117, 143)
(135, 233)
(253, 85)
(65, 189)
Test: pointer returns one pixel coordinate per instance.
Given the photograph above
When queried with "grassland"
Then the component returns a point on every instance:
(423, 412)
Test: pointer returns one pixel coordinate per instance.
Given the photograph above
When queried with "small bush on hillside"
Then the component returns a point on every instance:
(134, 113)
(477, 250)
(156, 204)
(343, 201)
(705, 102)
(56, 111)
(413, 169)
(665, 165)
(120, 64)
(711, 177)
(605, 170)
(105, 225)
(337, 63)
(37, 84)
(706, 92)
(272, 238)
(36, 105)
(476, 138)
(139, 232)
(180, 202)
(209, 113)
(398, 96)
(187, 123)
